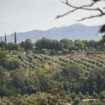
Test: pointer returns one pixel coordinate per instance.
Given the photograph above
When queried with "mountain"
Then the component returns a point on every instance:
(75, 31)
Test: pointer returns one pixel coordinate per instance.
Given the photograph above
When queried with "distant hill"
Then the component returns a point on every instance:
(75, 31)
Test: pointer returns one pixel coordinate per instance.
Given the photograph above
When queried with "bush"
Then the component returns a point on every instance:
(102, 95)
(76, 101)
(11, 64)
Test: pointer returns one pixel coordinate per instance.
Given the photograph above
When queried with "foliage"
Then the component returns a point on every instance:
(27, 45)
(38, 99)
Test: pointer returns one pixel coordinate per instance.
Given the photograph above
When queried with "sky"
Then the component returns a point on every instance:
(27, 15)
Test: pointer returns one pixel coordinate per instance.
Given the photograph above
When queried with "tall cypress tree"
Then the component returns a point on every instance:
(5, 38)
(15, 38)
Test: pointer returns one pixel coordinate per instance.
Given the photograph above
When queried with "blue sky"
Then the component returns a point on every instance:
(26, 15)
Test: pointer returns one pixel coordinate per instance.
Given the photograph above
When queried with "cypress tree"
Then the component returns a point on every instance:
(15, 38)
(5, 38)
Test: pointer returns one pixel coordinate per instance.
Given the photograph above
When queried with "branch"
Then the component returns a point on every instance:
(59, 16)
(75, 8)
(84, 7)
(94, 16)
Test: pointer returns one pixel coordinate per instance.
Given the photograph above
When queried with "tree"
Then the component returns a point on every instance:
(95, 81)
(79, 45)
(18, 80)
(102, 30)
(3, 45)
(12, 46)
(75, 76)
(67, 44)
(48, 44)
(15, 38)
(27, 45)
(5, 38)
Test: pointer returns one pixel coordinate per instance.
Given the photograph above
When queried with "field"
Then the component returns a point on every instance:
(87, 61)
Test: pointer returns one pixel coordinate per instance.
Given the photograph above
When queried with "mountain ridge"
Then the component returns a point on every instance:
(73, 32)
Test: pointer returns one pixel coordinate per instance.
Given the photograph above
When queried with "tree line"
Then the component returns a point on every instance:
(49, 46)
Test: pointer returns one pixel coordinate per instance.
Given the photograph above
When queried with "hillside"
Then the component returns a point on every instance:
(81, 32)
(51, 71)
(46, 73)
(87, 61)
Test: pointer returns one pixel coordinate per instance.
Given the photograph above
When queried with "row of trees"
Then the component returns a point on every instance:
(53, 46)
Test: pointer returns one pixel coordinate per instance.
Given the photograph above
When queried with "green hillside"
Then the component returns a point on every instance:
(64, 70)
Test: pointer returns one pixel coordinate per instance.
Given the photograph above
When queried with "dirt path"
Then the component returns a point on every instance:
(86, 100)
(68, 104)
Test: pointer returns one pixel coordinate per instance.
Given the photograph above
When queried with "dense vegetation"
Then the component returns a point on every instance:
(69, 70)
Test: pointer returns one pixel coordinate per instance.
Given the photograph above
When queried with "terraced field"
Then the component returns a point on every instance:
(87, 61)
